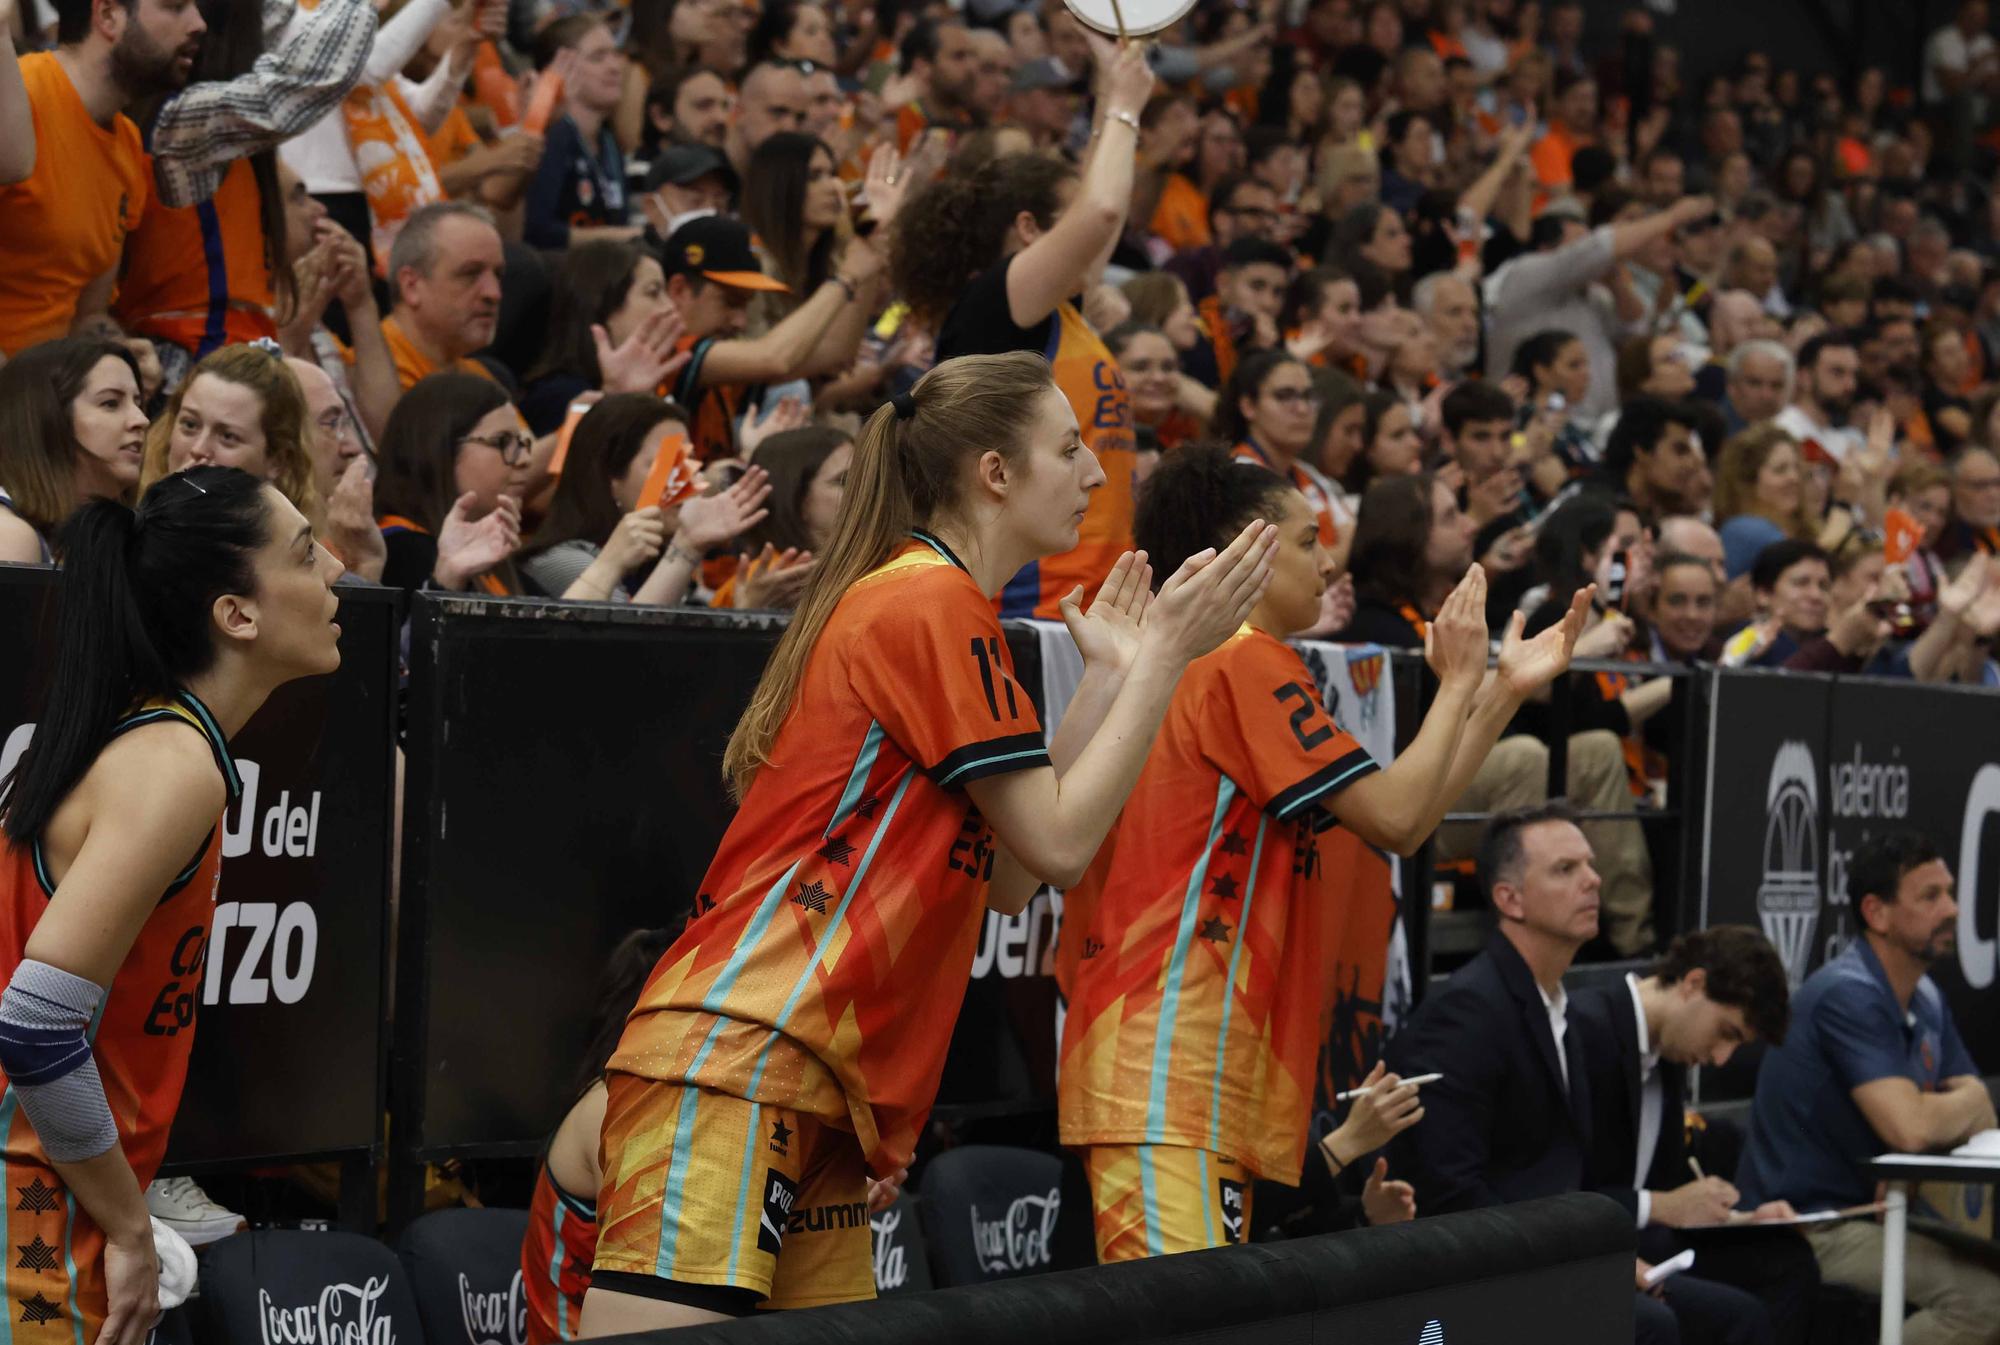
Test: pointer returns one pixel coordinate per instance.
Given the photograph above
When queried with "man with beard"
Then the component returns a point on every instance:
(1653, 458)
(942, 64)
(66, 222)
(1828, 376)
(1874, 1062)
(1449, 307)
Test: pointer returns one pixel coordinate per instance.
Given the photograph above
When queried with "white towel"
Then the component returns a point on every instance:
(177, 1266)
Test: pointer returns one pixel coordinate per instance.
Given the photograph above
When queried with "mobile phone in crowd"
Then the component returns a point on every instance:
(1614, 579)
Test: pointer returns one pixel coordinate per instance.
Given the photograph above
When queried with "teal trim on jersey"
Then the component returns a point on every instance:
(1207, 1204)
(1149, 1187)
(750, 1137)
(563, 1331)
(1170, 998)
(1229, 987)
(677, 1166)
(857, 778)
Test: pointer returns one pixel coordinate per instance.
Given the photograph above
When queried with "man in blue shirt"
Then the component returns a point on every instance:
(1873, 1063)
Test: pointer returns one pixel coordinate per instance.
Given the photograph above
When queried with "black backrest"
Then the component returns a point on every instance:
(279, 1287)
(465, 1268)
(902, 1262)
(991, 1212)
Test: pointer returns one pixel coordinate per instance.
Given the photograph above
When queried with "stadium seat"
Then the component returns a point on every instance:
(991, 1212)
(464, 1266)
(902, 1262)
(279, 1284)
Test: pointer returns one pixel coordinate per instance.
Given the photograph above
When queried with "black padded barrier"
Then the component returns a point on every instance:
(1546, 1272)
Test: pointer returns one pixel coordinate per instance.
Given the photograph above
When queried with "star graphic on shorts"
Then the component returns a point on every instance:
(1091, 948)
(1233, 843)
(37, 1197)
(1215, 931)
(39, 1310)
(1225, 887)
(36, 1255)
(836, 851)
(812, 896)
(866, 808)
(780, 1133)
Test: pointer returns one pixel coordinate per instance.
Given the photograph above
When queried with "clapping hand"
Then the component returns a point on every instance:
(1108, 634)
(646, 358)
(788, 414)
(708, 521)
(1528, 665)
(1455, 642)
(467, 547)
(351, 532)
(1207, 599)
(773, 578)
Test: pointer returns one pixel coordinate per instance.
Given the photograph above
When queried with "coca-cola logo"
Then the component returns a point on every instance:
(1021, 1239)
(892, 1264)
(345, 1314)
(496, 1317)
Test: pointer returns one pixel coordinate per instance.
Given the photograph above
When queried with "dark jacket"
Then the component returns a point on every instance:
(1498, 1127)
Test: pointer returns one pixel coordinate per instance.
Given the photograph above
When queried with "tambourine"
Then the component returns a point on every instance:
(1129, 18)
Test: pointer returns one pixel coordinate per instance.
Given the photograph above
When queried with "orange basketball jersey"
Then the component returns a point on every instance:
(836, 927)
(1087, 372)
(1195, 1015)
(198, 275)
(64, 227)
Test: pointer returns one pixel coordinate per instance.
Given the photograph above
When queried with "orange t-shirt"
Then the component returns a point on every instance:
(1087, 373)
(1216, 323)
(65, 226)
(1552, 153)
(714, 406)
(413, 366)
(1307, 484)
(1197, 1001)
(199, 276)
(835, 930)
(453, 139)
(910, 123)
(1180, 220)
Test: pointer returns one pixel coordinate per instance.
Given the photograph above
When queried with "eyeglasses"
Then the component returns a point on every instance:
(336, 422)
(514, 446)
(803, 66)
(1294, 396)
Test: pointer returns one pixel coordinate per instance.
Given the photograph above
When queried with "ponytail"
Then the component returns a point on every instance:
(907, 472)
(1199, 497)
(133, 621)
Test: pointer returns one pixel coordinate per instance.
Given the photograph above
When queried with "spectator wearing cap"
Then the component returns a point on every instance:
(684, 182)
(1557, 285)
(712, 274)
(772, 99)
(444, 272)
(1043, 101)
(578, 192)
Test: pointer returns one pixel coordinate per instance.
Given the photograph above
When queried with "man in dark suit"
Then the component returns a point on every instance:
(1714, 990)
(1511, 1118)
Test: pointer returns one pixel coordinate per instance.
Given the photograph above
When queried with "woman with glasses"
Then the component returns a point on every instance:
(240, 407)
(71, 430)
(453, 467)
(1267, 412)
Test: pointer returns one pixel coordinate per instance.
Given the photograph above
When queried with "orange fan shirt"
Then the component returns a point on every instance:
(714, 406)
(453, 139)
(1308, 485)
(1087, 373)
(413, 366)
(200, 276)
(835, 930)
(1196, 1006)
(145, 1031)
(65, 226)
(1180, 220)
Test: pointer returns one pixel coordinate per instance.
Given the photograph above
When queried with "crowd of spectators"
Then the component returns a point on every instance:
(582, 300)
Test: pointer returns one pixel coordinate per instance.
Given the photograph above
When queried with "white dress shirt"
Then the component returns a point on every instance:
(1558, 1010)
(1652, 1102)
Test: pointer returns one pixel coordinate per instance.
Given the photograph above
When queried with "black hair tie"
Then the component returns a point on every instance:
(905, 404)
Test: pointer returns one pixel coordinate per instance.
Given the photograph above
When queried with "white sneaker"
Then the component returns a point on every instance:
(184, 1207)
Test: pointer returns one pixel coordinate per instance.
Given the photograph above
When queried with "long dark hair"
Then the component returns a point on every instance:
(1201, 496)
(595, 280)
(602, 448)
(1567, 536)
(418, 455)
(774, 206)
(625, 975)
(38, 445)
(1247, 380)
(793, 458)
(133, 622)
(955, 228)
(1391, 535)
(234, 41)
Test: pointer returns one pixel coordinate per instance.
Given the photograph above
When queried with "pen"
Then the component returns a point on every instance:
(1695, 1168)
(1364, 1092)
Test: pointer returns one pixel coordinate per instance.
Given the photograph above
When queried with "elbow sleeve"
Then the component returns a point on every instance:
(45, 1017)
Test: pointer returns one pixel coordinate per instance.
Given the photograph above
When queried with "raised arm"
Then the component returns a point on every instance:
(17, 119)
